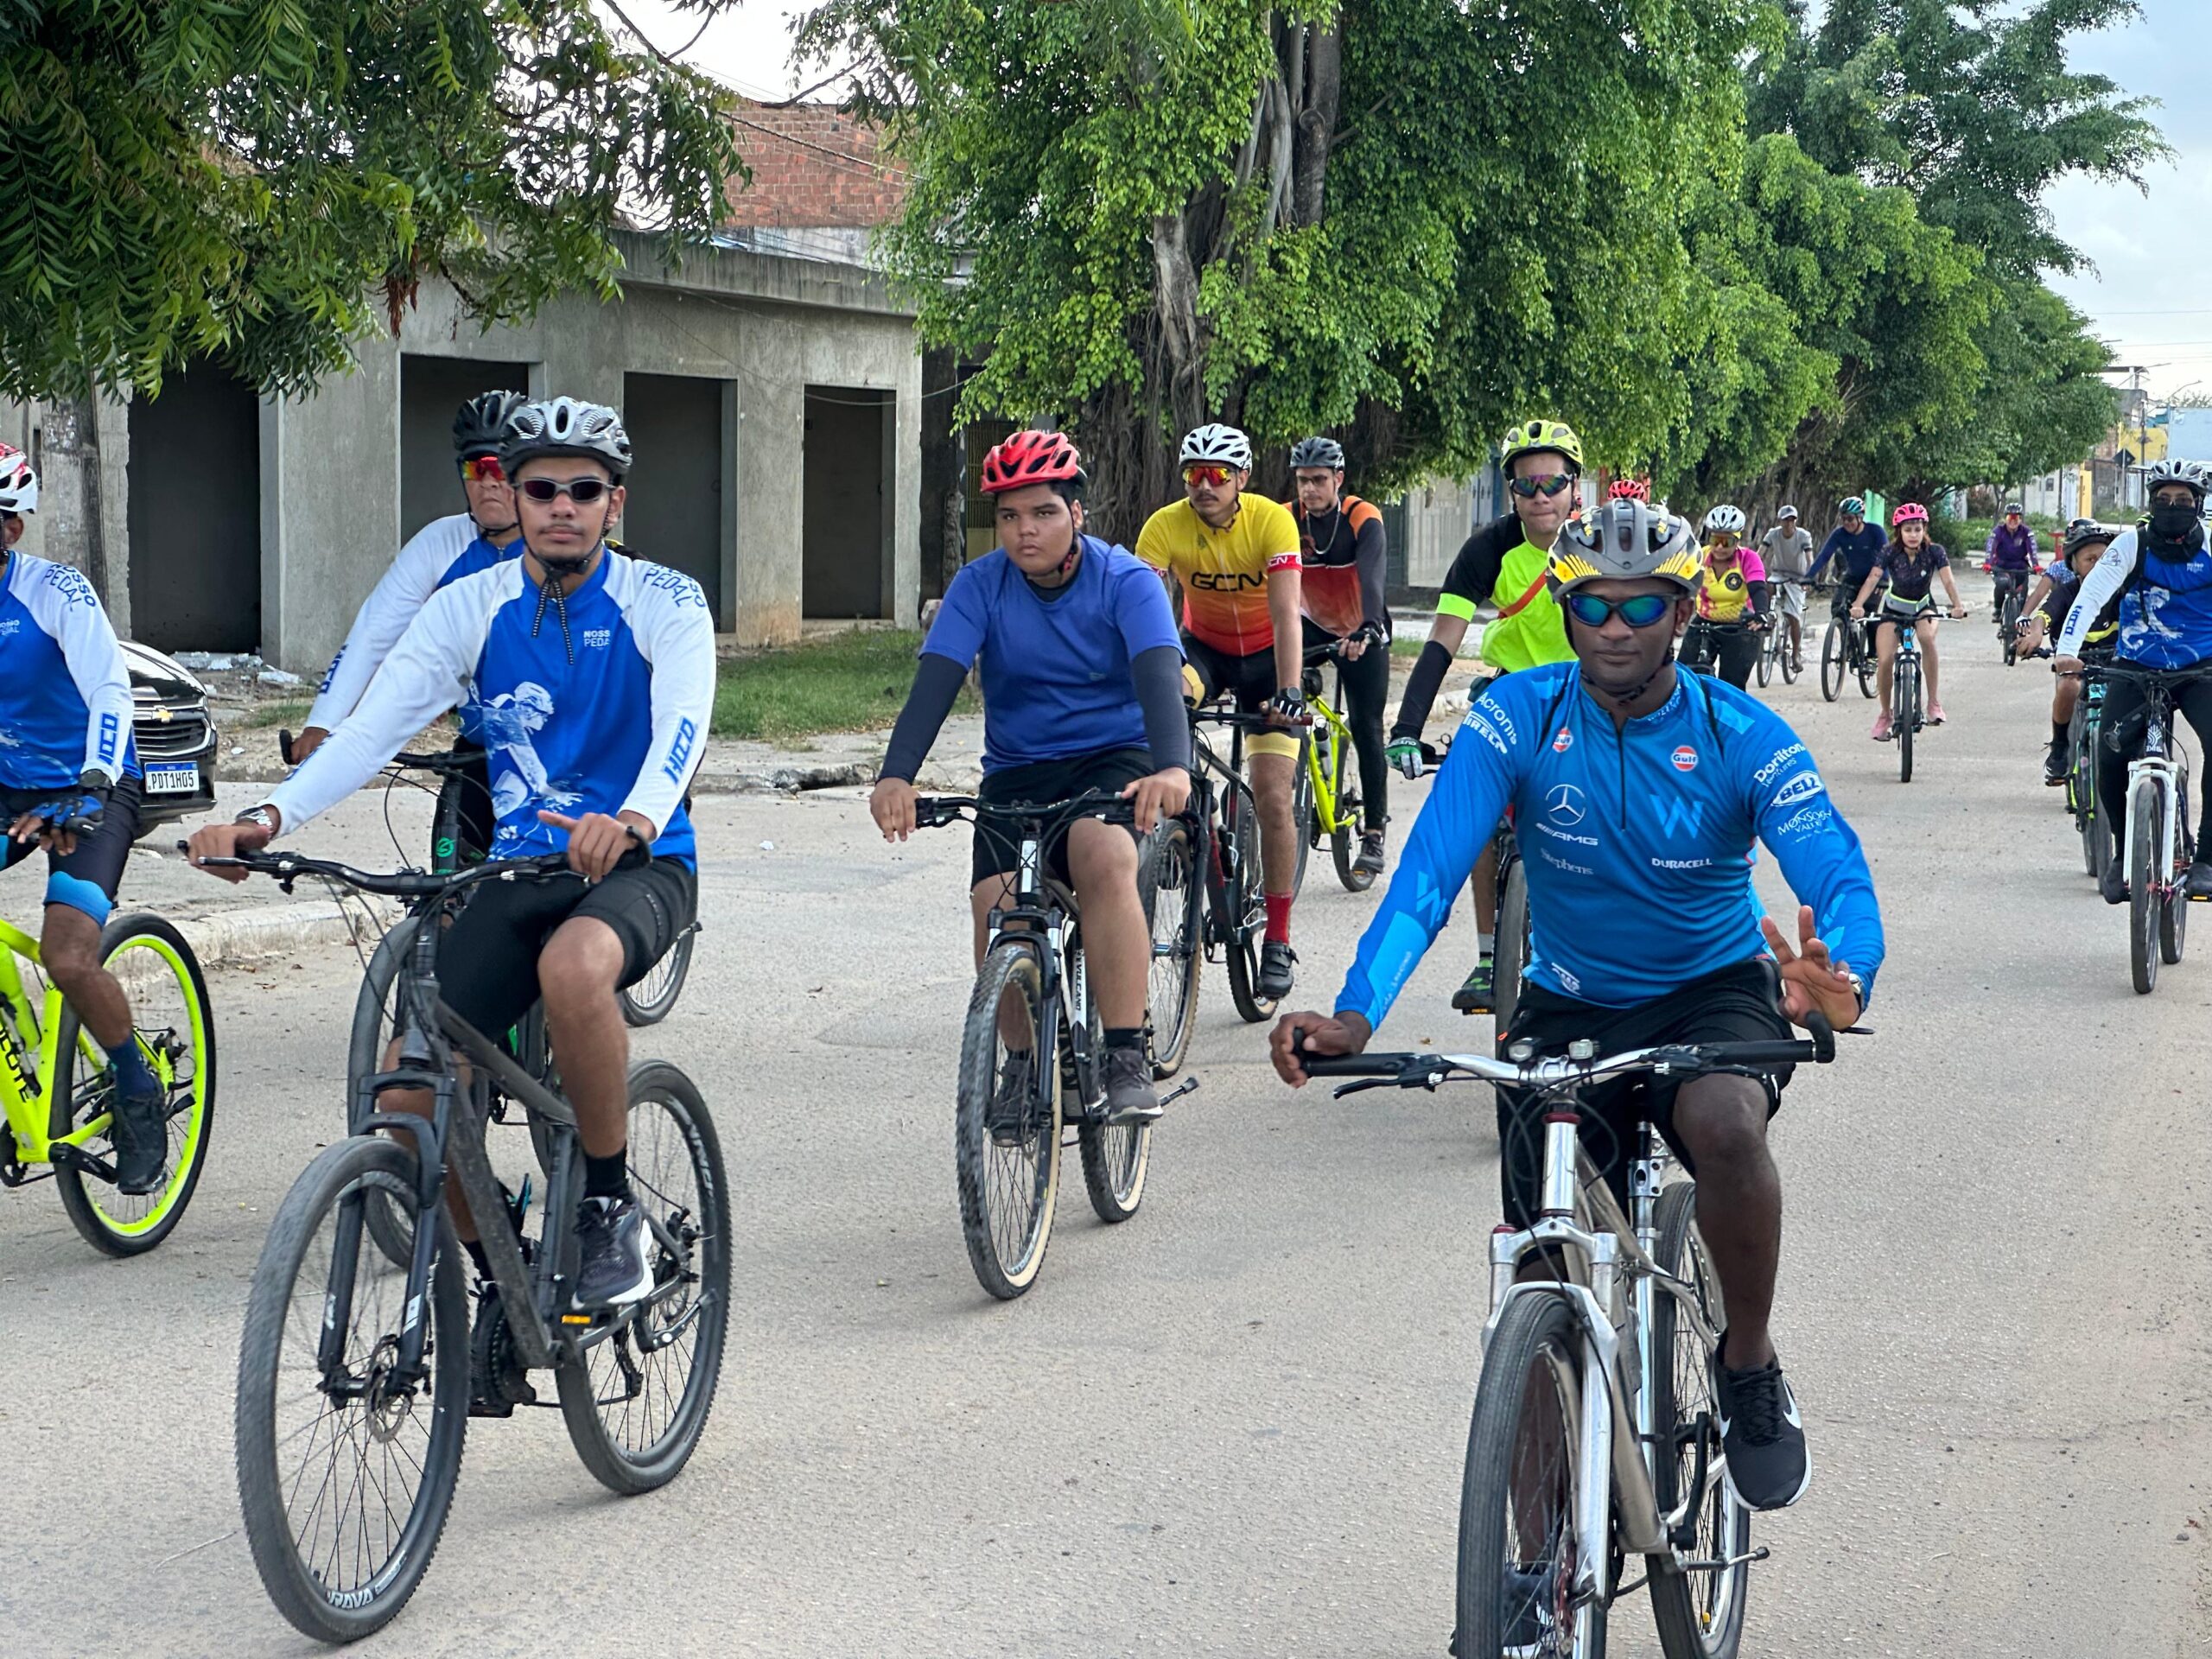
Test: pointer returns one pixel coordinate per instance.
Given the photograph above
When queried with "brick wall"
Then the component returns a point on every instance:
(812, 165)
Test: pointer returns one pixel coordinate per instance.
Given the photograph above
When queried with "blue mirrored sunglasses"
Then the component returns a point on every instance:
(1640, 611)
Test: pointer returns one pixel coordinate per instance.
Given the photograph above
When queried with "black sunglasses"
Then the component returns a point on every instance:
(582, 490)
(1541, 484)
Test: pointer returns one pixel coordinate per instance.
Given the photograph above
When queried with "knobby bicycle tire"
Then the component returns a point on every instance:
(1304, 824)
(1862, 662)
(1765, 660)
(1834, 661)
(1537, 1331)
(109, 1220)
(1115, 1156)
(648, 1001)
(1792, 662)
(1244, 915)
(1344, 839)
(1170, 877)
(2147, 802)
(1905, 690)
(1510, 966)
(1700, 1616)
(266, 1382)
(616, 1395)
(1012, 967)
(2173, 913)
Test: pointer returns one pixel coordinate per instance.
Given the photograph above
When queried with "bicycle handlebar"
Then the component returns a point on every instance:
(289, 867)
(1250, 722)
(62, 809)
(935, 812)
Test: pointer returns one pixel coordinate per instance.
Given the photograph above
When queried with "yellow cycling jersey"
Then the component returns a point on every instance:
(1224, 573)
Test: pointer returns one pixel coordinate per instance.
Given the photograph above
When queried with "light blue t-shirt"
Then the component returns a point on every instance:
(1056, 672)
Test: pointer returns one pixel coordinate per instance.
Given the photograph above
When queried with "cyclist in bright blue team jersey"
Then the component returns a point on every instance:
(1639, 793)
(65, 727)
(592, 676)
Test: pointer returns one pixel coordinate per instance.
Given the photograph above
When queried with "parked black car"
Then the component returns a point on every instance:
(175, 738)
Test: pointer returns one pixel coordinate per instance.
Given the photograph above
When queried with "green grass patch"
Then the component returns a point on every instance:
(294, 714)
(849, 682)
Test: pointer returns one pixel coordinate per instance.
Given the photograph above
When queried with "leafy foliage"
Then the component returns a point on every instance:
(266, 179)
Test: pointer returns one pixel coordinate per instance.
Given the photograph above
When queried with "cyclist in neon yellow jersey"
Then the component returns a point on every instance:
(1503, 565)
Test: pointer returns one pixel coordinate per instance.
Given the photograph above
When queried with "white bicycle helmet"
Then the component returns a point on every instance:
(18, 483)
(1223, 446)
(567, 426)
(2187, 473)
(1725, 518)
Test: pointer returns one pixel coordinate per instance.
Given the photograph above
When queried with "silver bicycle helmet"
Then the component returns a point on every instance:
(1317, 452)
(482, 425)
(2187, 473)
(1222, 446)
(1725, 518)
(567, 426)
(1624, 541)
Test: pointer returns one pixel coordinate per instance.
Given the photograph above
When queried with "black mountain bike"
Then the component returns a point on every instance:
(1225, 847)
(2082, 733)
(2011, 601)
(1846, 650)
(1033, 1057)
(356, 1374)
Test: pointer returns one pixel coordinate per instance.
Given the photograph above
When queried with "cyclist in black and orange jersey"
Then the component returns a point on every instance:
(1344, 562)
(1235, 557)
(1503, 564)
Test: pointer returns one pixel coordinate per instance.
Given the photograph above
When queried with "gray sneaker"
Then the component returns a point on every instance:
(1130, 1097)
(1369, 862)
(611, 1232)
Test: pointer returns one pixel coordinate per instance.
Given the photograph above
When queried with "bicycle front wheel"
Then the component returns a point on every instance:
(1169, 886)
(174, 1029)
(1344, 839)
(1863, 663)
(347, 1466)
(647, 1002)
(636, 1394)
(1518, 1549)
(1906, 691)
(1510, 965)
(1700, 1615)
(1305, 817)
(1007, 1124)
(1766, 658)
(1834, 652)
(1242, 920)
(2145, 811)
(375, 1024)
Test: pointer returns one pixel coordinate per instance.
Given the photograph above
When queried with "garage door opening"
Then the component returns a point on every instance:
(195, 513)
(431, 390)
(675, 515)
(846, 540)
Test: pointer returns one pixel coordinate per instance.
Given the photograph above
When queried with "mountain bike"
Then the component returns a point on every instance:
(2011, 601)
(1907, 695)
(1227, 851)
(645, 1003)
(1846, 649)
(2081, 736)
(1775, 652)
(358, 1376)
(1595, 1433)
(2158, 838)
(1033, 1057)
(1325, 765)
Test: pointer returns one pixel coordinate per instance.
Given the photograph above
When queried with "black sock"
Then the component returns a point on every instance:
(1125, 1036)
(2057, 734)
(608, 1177)
(475, 1249)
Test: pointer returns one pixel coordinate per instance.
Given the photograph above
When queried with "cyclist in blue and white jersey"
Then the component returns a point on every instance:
(592, 676)
(443, 551)
(2161, 573)
(65, 727)
(1639, 794)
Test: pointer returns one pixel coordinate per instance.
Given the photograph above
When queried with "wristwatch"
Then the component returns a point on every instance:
(1857, 989)
(260, 814)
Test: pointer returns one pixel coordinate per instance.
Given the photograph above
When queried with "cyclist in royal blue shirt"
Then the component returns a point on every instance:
(1639, 793)
(1856, 546)
(592, 676)
(1082, 688)
(65, 736)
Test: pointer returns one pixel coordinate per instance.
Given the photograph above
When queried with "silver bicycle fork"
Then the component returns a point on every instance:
(2156, 763)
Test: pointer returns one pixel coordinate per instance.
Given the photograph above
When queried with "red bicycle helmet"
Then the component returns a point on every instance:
(1029, 458)
(1629, 489)
(1911, 513)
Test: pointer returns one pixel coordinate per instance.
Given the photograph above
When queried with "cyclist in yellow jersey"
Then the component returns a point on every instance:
(1235, 557)
(1503, 565)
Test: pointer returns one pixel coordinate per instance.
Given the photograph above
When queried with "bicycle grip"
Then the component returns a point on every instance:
(1345, 1065)
(284, 746)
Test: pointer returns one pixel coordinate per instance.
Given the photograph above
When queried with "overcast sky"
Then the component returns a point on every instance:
(2147, 295)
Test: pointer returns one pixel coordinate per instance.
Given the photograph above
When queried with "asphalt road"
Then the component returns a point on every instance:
(1233, 1427)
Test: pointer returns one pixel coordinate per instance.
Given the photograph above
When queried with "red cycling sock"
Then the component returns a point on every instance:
(1279, 916)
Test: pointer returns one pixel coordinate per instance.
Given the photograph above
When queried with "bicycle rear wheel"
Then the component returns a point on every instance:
(1510, 965)
(174, 1029)
(647, 1002)
(1834, 652)
(1007, 1124)
(1169, 886)
(1517, 1544)
(1862, 663)
(345, 1469)
(1243, 910)
(2173, 911)
(2145, 810)
(1700, 1615)
(637, 1395)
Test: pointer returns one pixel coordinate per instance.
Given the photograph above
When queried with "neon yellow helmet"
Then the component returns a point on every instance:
(1534, 436)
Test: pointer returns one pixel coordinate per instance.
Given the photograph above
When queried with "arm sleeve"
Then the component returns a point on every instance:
(2096, 590)
(1373, 555)
(1158, 675)
(937, 683)
(676, 636)
(397, 598)
(428, 673)
(1762, 595)
(81, 627)
(1420, 690)
(1821, 858)
(1456, 823)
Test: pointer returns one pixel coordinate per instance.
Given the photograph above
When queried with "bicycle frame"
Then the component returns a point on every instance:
(1319, 752)
(2158, 762)
(27, 1061)
(1044, 909)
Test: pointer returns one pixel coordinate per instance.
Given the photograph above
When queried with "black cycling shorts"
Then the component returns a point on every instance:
(998, 846)
(89, 878)
(1250, 680)
(1737, 1005)
(493, 947)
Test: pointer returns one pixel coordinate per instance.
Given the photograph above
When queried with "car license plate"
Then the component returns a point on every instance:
(172, 780)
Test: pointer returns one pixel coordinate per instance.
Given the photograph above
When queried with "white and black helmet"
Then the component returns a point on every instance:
(567, 426)
(1225, 445)
(1725, 520)
(1317, 452)
(2188, 474)
(18, 481)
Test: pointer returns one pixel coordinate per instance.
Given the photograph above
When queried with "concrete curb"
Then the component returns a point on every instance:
(266, 931)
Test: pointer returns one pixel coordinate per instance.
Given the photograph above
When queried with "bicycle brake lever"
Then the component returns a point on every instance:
(1344, 1088)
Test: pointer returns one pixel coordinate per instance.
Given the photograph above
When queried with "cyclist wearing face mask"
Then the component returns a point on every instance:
(2162, 575)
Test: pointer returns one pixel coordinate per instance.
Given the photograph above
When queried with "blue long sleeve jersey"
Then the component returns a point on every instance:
(65, 691)
(1638, 842)
(599, 704)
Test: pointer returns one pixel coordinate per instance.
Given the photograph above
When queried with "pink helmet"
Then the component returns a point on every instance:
(1911, 513)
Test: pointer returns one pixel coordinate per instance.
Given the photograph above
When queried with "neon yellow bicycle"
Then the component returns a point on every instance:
(55, 1084)
(1323, 799)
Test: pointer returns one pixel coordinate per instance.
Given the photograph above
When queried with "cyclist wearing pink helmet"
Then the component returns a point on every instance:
(1912, 562)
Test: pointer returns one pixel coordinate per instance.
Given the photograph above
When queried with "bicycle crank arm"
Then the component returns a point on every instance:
(64, 1156)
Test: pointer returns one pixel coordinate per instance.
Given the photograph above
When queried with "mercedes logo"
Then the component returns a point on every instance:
(1564, 805)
